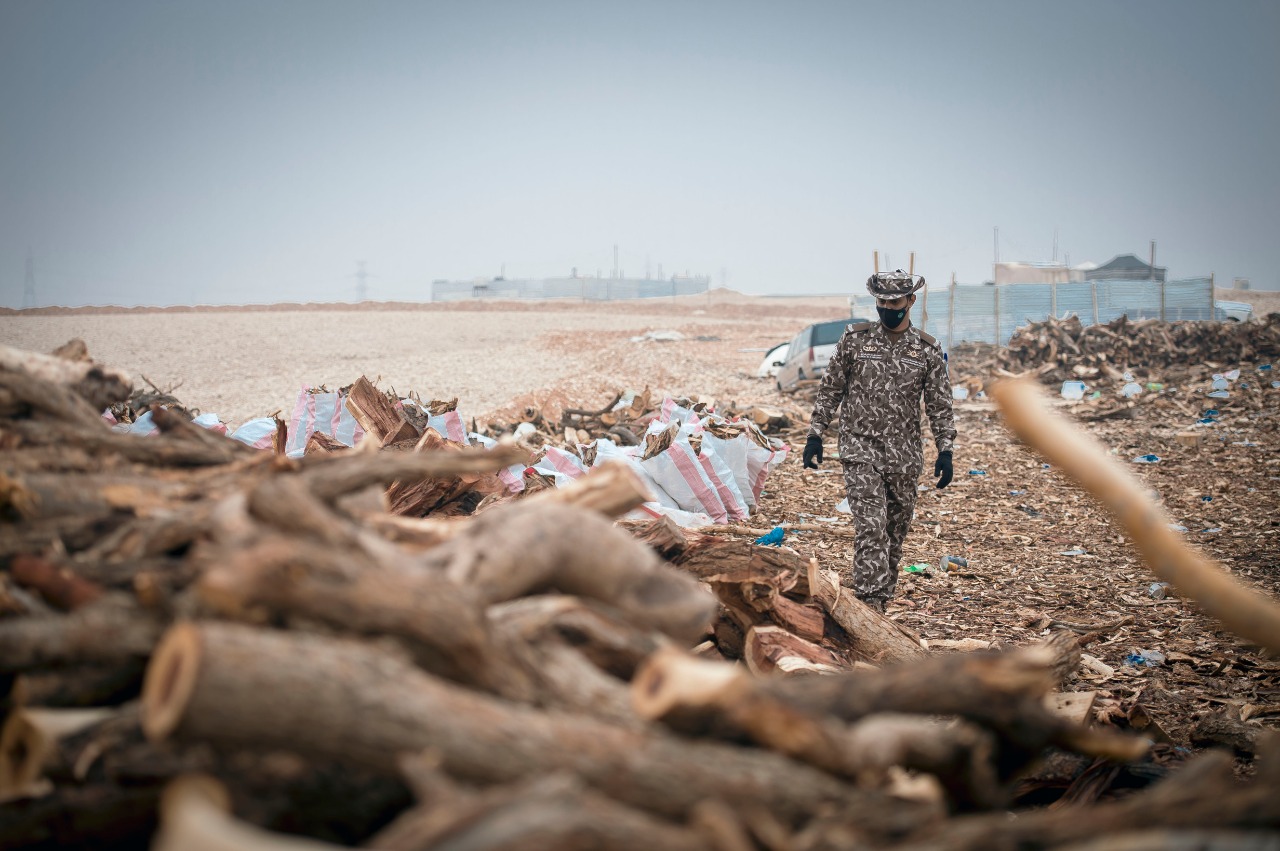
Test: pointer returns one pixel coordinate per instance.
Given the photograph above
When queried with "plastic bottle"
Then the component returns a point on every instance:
(1073, 390)
(959, 393)
(952, 562)
(1149, 458)
(1131, 389)
(977, 472)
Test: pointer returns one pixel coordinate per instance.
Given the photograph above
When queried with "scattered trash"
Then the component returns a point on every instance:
(1219, 382)
(1266, 367)
(1073, 390)
(1128, 376)
(659, 337)
(1145, 658)
(1149, 458)
(952, 562)
(1206, 499)
(977, 472)
(843, 506)
(1231, 375)
(1177, 527)
(918, 568)
(1211, 530)
(1219, 394)
(1131, 389)
(1075, 552)
(1155, 386)
(959, 393)
(1158, 590)
(1016, 493)
(1275, 385)
(774, 538)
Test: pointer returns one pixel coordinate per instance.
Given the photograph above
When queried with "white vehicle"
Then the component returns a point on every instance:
(1236, 311)
(810, 351)
(773, 360)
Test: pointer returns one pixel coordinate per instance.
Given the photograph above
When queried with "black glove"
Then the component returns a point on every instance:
(813, 452)
(942, 468)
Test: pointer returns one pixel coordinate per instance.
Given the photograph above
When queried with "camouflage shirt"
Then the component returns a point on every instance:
(877, 382)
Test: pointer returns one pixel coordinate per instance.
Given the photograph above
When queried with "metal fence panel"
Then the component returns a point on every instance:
(991, 314)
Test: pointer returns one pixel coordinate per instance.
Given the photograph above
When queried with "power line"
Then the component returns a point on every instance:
(29, 282)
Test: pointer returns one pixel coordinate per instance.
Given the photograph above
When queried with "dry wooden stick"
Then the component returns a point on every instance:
(1195, 575)
(195, 815)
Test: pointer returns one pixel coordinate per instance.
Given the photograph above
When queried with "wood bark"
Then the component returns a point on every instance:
(80, 637)
(873, 636)
(58, 585)
(237, 685)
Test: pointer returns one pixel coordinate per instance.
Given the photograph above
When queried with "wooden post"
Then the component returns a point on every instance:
(875, 258)
(951, 314)
(1093, 287)
(996, 300)
(1053, 299)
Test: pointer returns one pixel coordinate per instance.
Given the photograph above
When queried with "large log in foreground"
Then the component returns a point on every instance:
(338, 699)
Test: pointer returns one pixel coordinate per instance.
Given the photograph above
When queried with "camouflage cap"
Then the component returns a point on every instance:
(895, 284)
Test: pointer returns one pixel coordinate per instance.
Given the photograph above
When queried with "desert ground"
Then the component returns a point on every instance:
(1041, 552)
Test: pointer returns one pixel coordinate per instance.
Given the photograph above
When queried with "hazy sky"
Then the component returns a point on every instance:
(178, 152)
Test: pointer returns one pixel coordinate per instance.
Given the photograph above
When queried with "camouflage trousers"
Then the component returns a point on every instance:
(882, 502)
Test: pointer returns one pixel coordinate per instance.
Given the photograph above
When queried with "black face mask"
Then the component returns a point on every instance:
(891, 318)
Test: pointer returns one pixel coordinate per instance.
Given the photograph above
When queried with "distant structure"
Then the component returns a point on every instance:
(589, 288)
(29, 282)
(362, 288)
(1126, 267)
(1123, 267)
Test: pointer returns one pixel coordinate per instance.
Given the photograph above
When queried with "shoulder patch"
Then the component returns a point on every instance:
(927, 338)
(860, 326)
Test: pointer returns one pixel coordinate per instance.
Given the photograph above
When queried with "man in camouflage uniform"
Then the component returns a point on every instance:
(877, 376)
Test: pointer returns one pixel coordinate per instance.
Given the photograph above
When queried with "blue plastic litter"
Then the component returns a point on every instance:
(1266, 367)
(1146, 658)
(774, 538)
(1219, 394)
(1016, 493)
(1044, 466)
(977, 472)
(1149, 458)
(1206, 499)
(1275, 385)
(1212, 412)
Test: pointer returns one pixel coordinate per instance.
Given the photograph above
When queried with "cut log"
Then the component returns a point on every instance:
(111, 631)
(873, 636)
(195, 816)
(58, 585)
(443, 624)
(521, 549)
(229, 684)
(379, 418)
(99, 386)
(771, 649)
(715, 699)
(551, 813)
(319, 443)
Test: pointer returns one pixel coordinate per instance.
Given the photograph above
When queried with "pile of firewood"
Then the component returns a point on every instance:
(1057, 350)
(205, 646)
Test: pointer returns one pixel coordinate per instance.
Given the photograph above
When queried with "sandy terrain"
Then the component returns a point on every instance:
(247, 363)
